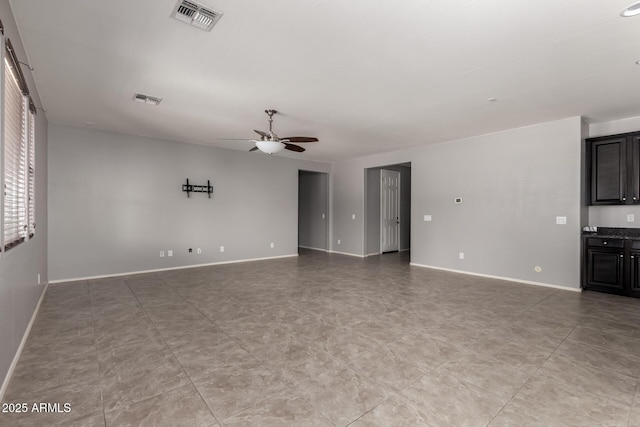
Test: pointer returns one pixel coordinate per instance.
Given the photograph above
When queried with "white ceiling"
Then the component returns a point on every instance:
(364, 76)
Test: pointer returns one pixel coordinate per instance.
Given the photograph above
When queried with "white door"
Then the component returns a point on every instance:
(389, 211)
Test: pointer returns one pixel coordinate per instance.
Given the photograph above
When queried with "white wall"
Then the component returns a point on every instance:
(514, 183)
(20, 266)
(116, 202)
(614, 216)
(630, 124)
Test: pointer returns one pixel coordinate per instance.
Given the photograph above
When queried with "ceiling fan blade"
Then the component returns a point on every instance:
(253, 149)
(259, 132)
(293, 147)
(299, 139)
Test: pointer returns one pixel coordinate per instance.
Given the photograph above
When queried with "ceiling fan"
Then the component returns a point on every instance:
(271, 143)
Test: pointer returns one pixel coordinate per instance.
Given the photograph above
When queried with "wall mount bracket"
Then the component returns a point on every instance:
(191, 188)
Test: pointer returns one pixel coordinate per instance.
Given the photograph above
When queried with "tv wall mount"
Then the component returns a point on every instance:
(192, 188)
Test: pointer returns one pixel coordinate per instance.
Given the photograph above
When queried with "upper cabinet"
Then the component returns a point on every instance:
(613, 168)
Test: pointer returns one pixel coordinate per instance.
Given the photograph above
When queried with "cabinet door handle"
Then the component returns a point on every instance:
(621, 256)
(624, 199)
(604, 243)
(632, 257)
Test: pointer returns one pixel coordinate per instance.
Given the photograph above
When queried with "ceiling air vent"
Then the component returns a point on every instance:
(196, 15)
(146, 99)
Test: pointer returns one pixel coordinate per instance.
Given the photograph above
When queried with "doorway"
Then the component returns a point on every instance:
(313, 206)
(387, 209)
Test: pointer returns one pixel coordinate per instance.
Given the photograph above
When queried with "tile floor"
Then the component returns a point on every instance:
(328, 340)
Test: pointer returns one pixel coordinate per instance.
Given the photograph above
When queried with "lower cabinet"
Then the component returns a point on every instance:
(612, 266)
(634, 270)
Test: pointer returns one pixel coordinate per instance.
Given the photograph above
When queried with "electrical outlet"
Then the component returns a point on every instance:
(322, 216)
(631, 218)
(427, 217)
(537, 269)
(169, 252)
(338, 241)
(353, 216)
(561, 220)
(38, 278)
(273, 245)
(221, 248)
(199, 251)
(161, 254)
(461, 255)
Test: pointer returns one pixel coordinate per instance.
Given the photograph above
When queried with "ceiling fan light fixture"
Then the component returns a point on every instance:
(269, 147)
(631, 10)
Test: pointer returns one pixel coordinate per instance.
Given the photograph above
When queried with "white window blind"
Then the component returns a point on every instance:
(15, 152)
(31, 171)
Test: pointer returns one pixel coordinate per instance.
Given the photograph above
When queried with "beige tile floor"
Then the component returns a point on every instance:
(328, 340)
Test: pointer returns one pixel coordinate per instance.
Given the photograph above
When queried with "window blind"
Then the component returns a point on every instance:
(31, 171)
(15, 128)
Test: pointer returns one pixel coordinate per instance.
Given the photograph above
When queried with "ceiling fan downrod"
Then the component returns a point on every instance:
(270, 113)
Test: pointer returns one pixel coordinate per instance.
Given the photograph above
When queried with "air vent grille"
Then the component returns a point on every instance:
(146, 99)
(196, 15)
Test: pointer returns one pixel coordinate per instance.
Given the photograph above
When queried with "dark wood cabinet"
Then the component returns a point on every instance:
(614, 169)
(634, 270)
(605, 265)
(612, 265)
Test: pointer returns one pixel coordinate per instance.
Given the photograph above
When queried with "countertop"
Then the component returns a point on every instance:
(614, 233)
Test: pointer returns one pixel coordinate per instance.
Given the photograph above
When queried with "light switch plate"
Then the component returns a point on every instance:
(631, 218)
(561, 220)
(427, 217)
(353, 216)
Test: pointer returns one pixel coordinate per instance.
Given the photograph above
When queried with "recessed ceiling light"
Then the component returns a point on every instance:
(638, 62)
(632, 10)
(492, 99)
(90, 123)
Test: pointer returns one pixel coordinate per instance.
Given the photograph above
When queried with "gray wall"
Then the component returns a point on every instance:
(372, 212)
(116, 202)
(19, 268)
(313, 193)
(514, 183)
(614, 216)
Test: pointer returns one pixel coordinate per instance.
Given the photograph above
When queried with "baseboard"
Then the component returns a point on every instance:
(182, 267)
(372, 254)
(312, 248)
(509, 279)
(346, 253)
(14, 362)
(404, 250)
